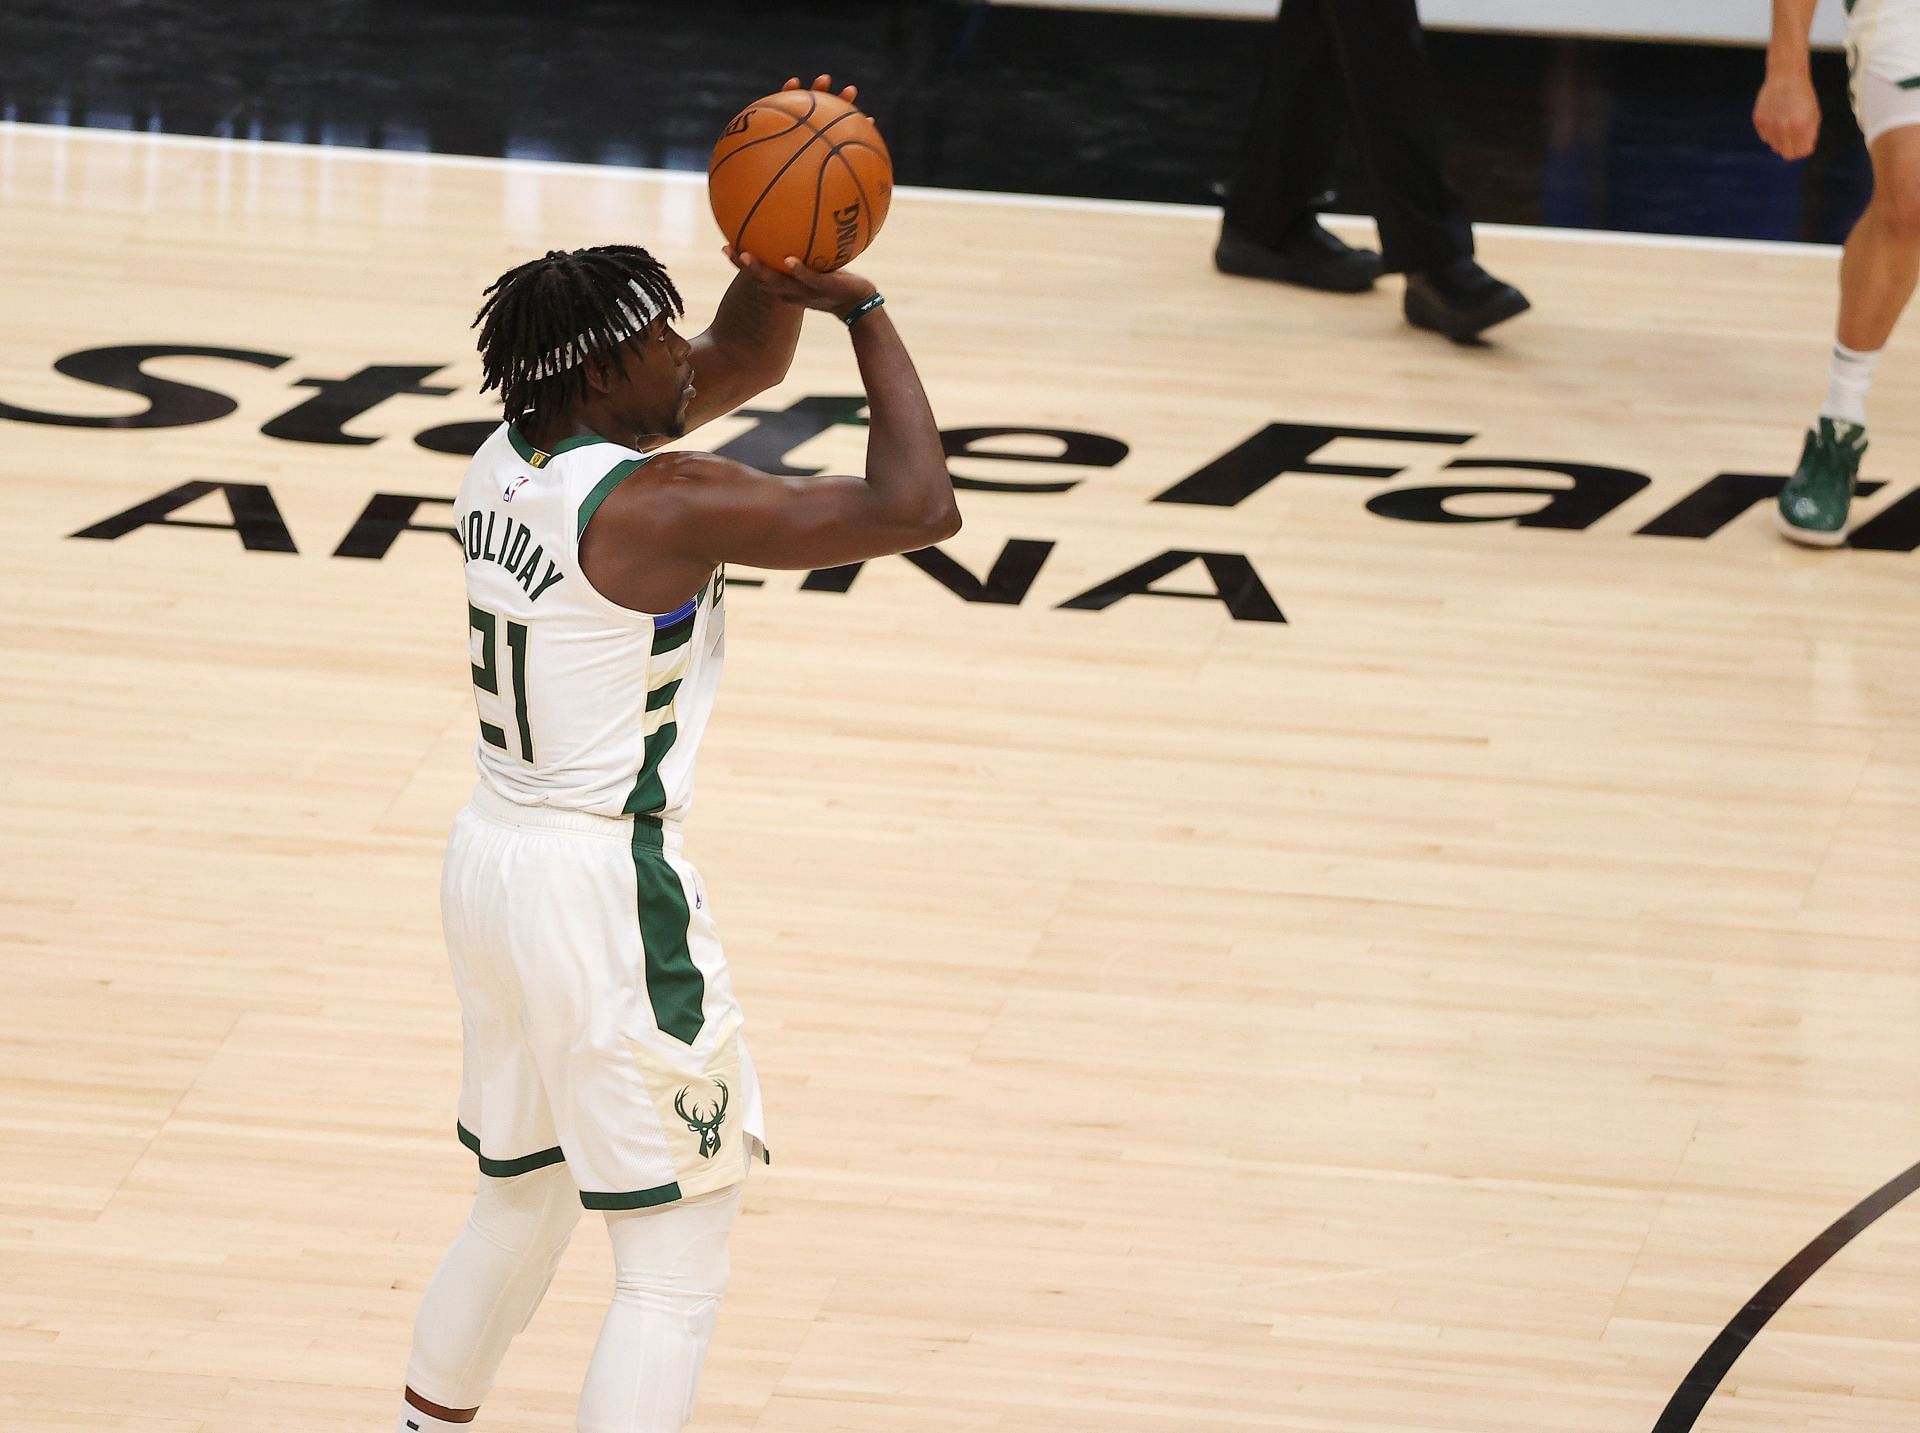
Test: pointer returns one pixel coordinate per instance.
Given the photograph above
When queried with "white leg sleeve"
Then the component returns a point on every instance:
(670, 1269)
(489, 1284)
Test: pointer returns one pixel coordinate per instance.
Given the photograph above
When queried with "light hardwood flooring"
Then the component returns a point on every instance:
(1440, 1011)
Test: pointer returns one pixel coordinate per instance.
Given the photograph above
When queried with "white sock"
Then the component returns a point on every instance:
(1849, 376)
(412, 1420)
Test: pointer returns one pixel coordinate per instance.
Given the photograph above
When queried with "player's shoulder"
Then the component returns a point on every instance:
(600, 468)
(665, 487)
(671, 469)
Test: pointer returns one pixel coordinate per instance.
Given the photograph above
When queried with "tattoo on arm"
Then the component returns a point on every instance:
(755, 314)
(754, 329)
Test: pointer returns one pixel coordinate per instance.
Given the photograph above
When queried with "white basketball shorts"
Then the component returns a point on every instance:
(1883, 52)
(598, 1017)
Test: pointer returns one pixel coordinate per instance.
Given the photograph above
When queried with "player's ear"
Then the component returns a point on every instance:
(601, 377)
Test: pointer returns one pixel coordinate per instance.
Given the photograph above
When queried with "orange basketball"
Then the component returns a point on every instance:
(800, 173)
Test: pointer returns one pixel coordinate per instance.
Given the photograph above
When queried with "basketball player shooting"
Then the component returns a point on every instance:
(1882, 258)
(603, 1062)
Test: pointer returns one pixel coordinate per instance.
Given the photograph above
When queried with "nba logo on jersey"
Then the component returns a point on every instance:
(514, 487)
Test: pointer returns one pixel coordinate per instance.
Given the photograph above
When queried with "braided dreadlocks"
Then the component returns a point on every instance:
(567, 302)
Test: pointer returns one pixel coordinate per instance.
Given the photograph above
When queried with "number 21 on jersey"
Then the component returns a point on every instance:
(486, 675)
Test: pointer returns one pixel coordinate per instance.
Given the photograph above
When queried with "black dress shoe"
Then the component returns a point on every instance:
(1308, 256)
(1461, 300)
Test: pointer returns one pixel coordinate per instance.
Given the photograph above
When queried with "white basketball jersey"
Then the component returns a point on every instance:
(1883, 38)
(584, 705)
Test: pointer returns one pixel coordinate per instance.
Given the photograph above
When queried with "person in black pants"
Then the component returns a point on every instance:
(1359, 66)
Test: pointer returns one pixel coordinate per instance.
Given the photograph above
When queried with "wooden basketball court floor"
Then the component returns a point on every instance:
(1441, 1010)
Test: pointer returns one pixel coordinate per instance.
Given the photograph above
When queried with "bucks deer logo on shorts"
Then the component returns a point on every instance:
(707, 1126)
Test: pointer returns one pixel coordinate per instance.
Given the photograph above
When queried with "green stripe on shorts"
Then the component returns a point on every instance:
(507, 1168)
(638, 1199)
(675, 987)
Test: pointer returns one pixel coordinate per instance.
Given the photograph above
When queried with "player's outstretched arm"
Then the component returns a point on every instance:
(1787, 113)
(705, 509)
(732, 513)
(749, 346)
(657, 537)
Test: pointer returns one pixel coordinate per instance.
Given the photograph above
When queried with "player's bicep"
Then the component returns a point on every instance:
(722, 511)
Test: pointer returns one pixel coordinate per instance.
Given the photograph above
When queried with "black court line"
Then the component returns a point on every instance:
(1704, 1377)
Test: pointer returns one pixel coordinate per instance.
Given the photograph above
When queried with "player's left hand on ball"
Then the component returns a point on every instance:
(775, 281)
(824, 83)
(795, 283)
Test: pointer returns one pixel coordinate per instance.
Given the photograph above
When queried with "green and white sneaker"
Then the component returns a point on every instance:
(1813, 504)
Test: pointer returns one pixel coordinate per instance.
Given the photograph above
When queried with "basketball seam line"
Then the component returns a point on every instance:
(799, 122)
(833, 153)
(818, 135)
(854, 175)
(820, 185)
(819, 193)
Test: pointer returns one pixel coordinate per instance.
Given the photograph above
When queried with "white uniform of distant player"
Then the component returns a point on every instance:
(1883, 53)
(600, 1024)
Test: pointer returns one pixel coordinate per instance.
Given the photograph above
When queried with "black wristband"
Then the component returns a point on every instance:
(864, 309)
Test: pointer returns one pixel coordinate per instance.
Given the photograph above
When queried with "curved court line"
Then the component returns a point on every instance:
(1704, 1377)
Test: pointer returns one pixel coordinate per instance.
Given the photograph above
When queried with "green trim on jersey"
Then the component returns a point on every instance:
(672, 639)
(1912, 82)
(537, 457)
(675, 987)
(638, 1199)
(615, 476)
(649, 794)
(529, 454)
(507, 1168)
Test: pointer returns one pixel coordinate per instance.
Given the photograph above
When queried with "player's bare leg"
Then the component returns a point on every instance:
(1878, 272)
(1882, 260)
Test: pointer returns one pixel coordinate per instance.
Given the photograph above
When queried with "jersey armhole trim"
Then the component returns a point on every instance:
(616, 475)
(588, 507)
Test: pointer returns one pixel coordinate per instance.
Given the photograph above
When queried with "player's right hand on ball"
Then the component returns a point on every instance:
(824, 83)
(1787, 115)
(838, 293)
